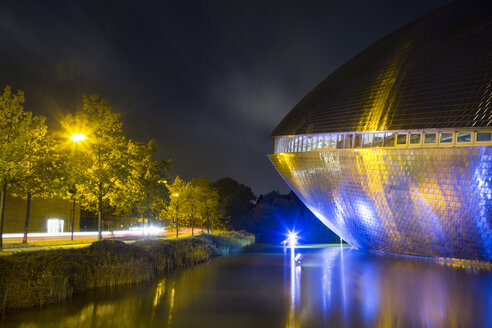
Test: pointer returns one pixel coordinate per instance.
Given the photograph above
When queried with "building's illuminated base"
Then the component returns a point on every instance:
(421, 201)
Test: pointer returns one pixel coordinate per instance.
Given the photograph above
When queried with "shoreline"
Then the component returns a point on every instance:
(36, 278)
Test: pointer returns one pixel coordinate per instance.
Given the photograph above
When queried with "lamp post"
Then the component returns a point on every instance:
(177, 212)
(75, 138)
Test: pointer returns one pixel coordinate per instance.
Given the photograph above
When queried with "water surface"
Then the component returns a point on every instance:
(264, 288)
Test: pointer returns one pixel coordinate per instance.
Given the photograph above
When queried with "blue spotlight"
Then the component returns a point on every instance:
(292, 238)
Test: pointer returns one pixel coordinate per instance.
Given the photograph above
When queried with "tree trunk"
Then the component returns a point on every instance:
(28, 214)
(73, 216)
(177, 224)
(2, 211)
(192, 224)
(208, 224)
(148, 221)
(99, 218)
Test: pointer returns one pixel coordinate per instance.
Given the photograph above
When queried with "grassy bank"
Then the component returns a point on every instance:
(37, 278)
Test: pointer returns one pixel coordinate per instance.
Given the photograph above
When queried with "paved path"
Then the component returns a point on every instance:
(14, 245)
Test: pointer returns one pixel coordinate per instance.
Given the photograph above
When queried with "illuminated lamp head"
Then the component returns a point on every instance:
(78, 137)
(292, 238)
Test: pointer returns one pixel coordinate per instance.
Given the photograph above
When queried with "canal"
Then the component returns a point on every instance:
(264, 287)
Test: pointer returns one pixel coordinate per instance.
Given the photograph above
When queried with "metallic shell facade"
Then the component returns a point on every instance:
(352, 148)
(435, 72)
(421, 201)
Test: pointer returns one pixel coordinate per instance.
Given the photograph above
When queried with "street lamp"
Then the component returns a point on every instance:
(78, 137)
(177, 212)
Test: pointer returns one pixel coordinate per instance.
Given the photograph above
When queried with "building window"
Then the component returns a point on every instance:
(358, 141)
(315, 142)
(54, 225)
(446, 137)
(484, 136)
(464, 137)
(415, 139)
(378, 140)
(389, 140)
(430, 138)
(340, 141)
(401, 139)
(327, 142)
(333, 141)
(349, 140)
(320, 142)
(367, 140)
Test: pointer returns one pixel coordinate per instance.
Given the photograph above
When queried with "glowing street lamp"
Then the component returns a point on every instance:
(177, 211)
(78, 137)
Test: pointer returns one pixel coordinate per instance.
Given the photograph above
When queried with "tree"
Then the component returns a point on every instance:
(147, 180)
(189, 208)
(237, 200)
(178, 197)
(16, 130)
(70, 162)
(209, 207)
(105, 168)
(38, 167)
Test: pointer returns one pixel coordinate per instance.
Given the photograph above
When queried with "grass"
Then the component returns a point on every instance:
(230, 241)
(36, 278)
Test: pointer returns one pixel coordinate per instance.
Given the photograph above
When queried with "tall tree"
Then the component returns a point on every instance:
(70, 162)
(38, 167)
(178, 198)
(237, 200)
(16, 129)
(104, 172)
(147, 180)
(209, 207)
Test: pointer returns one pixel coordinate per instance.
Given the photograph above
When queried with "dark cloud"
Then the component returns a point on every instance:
(209, 80)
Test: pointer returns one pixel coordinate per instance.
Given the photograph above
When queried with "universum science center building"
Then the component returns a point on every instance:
(393, 151)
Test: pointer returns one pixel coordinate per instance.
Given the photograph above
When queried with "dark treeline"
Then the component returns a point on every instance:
(270, 217)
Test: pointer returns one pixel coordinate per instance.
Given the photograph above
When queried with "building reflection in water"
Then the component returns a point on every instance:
(361, 289)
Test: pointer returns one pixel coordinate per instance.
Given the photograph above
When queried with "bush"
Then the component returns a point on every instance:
(168, 254)
(230, 241)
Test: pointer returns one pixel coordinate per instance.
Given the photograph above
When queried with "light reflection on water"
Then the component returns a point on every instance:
(264, 288)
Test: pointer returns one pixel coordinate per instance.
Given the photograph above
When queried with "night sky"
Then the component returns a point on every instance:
(209, 80)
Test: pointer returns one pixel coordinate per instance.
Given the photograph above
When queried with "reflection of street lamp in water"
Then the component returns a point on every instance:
(295, 278)
(78, 137)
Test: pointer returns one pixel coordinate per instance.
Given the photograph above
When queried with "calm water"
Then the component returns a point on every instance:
(261, 288)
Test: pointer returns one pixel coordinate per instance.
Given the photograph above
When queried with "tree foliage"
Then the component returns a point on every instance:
(209, 208)
(105, 166)
(147, 180)
(21, 136)
(237, 200)
(179, 193)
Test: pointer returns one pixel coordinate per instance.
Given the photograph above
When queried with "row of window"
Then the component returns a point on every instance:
(382, 139)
